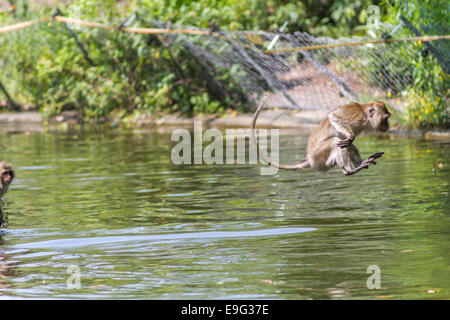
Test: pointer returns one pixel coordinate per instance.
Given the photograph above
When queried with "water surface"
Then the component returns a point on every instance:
(111, 204)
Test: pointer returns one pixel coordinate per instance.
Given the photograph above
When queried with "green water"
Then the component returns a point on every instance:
(111, 204)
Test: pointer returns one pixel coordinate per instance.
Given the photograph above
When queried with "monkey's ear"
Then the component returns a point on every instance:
(371, 111)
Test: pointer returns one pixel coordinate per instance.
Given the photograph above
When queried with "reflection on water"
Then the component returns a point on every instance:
(137, 226)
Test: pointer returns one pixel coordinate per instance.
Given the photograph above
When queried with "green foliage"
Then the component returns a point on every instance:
(427, 109)
(135, 73)
(427, 99)
(130, 72)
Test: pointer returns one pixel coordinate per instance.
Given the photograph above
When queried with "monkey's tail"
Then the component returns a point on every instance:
(300, 165)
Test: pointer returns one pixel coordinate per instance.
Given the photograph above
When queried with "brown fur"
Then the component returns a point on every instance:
(5, 181)
(330, 143)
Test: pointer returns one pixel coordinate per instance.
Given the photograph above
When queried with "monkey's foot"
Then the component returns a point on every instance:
(364, 164)
(345, 143)
(376, 155)
(371, 160)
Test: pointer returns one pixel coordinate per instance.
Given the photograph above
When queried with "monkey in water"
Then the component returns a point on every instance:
(6, 177)
(331, 143)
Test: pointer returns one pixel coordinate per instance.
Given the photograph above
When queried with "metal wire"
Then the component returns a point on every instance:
(302, 71)
(323, 78)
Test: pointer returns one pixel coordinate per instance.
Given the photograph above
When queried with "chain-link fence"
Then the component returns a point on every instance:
(302, 71)
(322, 78)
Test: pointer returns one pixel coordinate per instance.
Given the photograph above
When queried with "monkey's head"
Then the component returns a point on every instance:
(378, 116)
(6, 173)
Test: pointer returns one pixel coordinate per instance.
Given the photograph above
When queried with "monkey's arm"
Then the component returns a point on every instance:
(342, 128)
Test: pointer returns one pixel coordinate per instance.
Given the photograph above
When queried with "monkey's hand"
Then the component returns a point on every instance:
(345, 143)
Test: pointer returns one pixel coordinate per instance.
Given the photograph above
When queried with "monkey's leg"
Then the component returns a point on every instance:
(346, 156)
(364, 164)
(353, 153)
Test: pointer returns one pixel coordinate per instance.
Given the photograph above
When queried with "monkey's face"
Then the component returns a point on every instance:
(7, 176)
(378, 116)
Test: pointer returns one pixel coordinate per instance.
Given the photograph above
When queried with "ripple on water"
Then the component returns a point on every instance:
(70, 243)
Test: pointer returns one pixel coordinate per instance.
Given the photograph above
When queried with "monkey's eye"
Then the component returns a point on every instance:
(8, 173)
